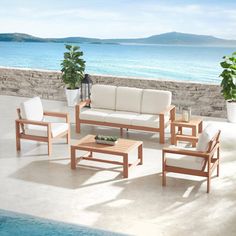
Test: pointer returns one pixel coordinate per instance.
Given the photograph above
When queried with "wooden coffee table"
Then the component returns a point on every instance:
(122, 148)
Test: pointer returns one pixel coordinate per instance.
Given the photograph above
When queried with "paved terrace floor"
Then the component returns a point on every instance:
(96, 195)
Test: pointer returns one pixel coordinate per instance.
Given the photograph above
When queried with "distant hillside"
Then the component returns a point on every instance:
(174, 38)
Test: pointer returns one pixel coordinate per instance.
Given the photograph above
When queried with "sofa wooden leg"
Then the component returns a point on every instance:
(77, 127)
(162, 138)
(121, 132)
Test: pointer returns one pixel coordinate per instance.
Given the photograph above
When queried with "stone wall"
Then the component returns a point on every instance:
(204, 99)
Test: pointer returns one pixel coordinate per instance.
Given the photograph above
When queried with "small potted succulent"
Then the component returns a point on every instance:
(228, 85)
(72, 68)
(109, 140)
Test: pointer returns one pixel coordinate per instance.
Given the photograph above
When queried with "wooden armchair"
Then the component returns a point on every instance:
(31, 124)
(200, 161)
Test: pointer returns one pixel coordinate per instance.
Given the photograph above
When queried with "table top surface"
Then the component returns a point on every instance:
(193, 121)
(123, 146)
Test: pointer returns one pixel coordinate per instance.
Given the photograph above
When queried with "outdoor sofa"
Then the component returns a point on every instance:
(126, 107)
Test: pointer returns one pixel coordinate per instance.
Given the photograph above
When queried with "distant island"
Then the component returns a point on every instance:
(172, 38)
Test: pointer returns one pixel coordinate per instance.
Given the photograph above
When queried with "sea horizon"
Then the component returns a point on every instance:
(190, 63)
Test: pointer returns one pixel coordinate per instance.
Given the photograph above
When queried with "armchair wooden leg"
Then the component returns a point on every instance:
(49, 147)
(163, 170)
(68, 136)
(218, 165)
(209, 175)
(17, 136)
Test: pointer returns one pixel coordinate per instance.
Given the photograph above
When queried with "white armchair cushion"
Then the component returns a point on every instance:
(121, 117)
(205, 137)
(103, 97)
(128, 99)
(32, 109)
(155, 101)
(56, 129)
(185, 161)
(94, 114)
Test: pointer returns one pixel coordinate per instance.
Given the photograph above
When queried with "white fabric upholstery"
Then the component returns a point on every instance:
(103, 97)
(205, 137)
(56, 129)
(94, 114)
(121, 117)
(128, 99)
(147, 120)
(32, 109)
(155, 101)
(184, 161)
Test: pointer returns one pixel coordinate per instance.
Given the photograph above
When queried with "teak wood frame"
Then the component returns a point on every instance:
(210, 162)
(161, 129)
(123, 154)
(20, 131)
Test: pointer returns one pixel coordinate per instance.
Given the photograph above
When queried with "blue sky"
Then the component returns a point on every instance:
(118, 18)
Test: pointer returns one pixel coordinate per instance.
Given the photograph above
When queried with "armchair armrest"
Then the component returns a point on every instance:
(32, 122)
(57, 114)
(185, 152)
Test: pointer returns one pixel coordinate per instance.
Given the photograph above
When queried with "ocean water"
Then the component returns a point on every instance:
(183, 63)
(15, 224)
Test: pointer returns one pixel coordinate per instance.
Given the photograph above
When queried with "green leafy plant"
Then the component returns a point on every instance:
(72, 67)
(106, 138)
(228, 75)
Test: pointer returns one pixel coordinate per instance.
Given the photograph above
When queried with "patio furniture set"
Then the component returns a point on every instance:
(129, 108)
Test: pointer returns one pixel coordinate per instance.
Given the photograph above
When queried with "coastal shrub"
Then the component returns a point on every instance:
(228, 75)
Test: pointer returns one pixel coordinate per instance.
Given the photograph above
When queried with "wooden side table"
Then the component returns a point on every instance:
(195, 124)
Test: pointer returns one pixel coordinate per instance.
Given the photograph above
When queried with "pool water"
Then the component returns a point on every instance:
(15, 224)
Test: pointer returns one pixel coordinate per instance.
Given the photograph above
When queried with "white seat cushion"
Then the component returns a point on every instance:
(121, 117)
(147, 120)
(155, 101)
(32, 109)
(56, 129)
(205, 137)
(103, 97)
(184, 161)
(94, 114)
(128, 99)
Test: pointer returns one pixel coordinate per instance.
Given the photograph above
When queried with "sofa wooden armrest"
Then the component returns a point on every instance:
(78, 107)
(57, 114)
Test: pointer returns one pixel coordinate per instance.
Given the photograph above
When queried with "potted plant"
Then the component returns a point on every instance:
(72, 68)
(228, 85)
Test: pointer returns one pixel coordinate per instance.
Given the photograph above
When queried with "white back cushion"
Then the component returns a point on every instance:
(205, 137)
(103, 96)
(32, 109)
(155, 101)
(128, 99)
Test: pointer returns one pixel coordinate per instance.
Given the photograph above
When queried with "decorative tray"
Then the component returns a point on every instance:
(108, 140)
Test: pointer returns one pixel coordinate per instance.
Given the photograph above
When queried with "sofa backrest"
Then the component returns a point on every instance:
(146, 101)
(128, 99)
(155, 101)
(103, 96)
